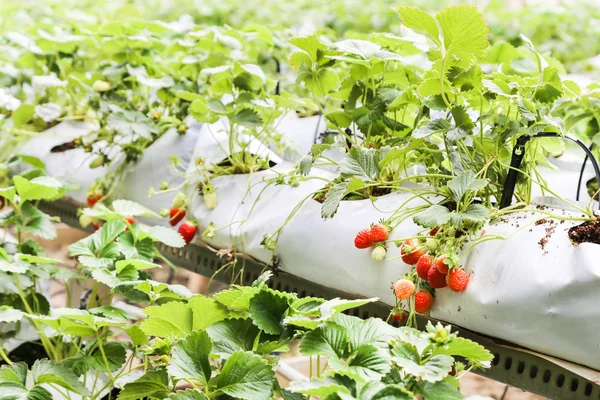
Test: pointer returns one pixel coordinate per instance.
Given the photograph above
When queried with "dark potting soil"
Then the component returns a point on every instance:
(28, 353)
(588, 232)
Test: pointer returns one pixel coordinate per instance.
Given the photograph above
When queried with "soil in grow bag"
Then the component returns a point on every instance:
(588, 232)
(28, 353)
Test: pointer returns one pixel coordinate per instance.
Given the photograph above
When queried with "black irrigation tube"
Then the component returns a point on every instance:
(517, 158)
(585, 160)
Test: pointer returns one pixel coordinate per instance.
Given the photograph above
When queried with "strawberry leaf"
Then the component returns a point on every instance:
(190, 358)
(267, 310)
(246, 376)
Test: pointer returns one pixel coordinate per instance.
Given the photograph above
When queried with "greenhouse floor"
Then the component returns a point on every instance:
(474, 386)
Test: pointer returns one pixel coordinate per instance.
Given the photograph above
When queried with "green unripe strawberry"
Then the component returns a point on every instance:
(179, 201)
(101, 86)
(210, 200)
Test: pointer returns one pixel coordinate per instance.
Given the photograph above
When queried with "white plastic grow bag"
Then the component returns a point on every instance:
(72, 165)
(248, 208)
(541, 298)
(155, 166)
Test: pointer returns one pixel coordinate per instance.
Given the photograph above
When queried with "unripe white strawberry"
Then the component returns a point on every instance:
(379, 253)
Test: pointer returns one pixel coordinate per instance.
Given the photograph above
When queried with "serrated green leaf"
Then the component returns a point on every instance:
(463, 183)
(332, 201)
(371, 331)
(434, 370)
(413, 336)
(167, 236)
(370, 362)
(406, 350)
(14, 391)
(231, 335)
(128, 208)
(16, 373)
(46, 371)
(466, 348)
(432, 127)
(140, 249)
(246, 376)
(329, 339)
(137, 264)
(189, 395)
(37, 222)
(435, 215)
(420, 22)
(464, 32)
(190, 358)
(309, 44)
(136, 335)
(380, 391)
(114, 355)
(267, 310)
(321, 388)
(153, 384)
(173, 319)
(439, 391)
(477, 212)
(23, 114)
(206, 312)
(8, 314)
(40, 188)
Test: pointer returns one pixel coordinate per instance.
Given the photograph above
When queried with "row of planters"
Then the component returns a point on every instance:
(189, 346)
(398, 198)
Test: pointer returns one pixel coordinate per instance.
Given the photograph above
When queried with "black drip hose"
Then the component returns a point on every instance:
(585, 160)
(517, 157)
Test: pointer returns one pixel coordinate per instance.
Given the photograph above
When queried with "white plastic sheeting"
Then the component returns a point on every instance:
(544, 299)
(73, 164)
(155, 167)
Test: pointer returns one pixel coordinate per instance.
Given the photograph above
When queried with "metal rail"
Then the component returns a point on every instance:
(511, 365)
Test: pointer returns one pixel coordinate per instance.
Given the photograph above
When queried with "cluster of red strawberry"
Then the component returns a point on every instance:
(375, 235)
(178, 210)
(433, 270)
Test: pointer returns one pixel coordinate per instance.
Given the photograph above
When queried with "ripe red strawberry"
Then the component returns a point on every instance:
(457, 279)
(129, 219)
(399, 316)
(187, 230)
(440, 264)
(363, 239)
(378, 233)
(95, 227)
(93, 197)
(423, 301)
(436, 279)
(424, 265)
(176, 215)
(403, 289)
(411, 251)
